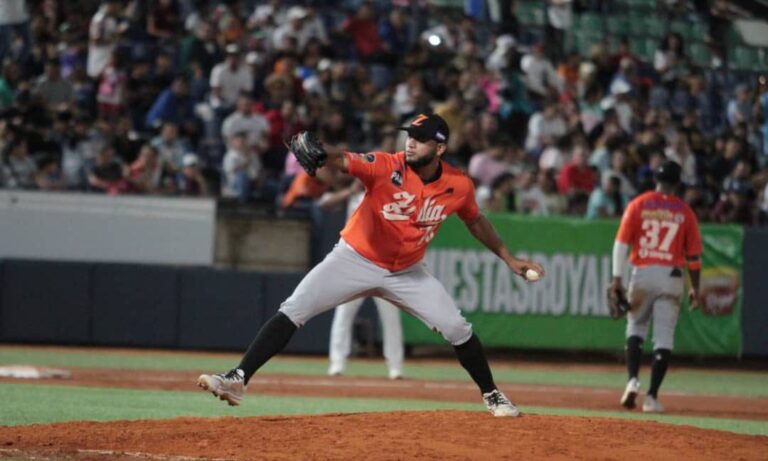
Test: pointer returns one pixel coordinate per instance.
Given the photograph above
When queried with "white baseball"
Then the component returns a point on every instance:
(532, 275)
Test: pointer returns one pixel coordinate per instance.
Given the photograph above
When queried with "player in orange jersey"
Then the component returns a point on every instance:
(408, 195)
(664, 236)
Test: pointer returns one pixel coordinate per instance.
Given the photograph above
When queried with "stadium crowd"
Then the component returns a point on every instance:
(197, 98)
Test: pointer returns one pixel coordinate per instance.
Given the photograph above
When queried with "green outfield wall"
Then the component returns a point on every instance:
(567, 309)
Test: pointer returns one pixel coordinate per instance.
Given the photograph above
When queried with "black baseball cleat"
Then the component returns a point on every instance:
(229, 386)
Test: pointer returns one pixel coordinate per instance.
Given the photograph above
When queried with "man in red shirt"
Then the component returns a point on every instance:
(364, 32)
(408, 195)
(577, 176)
(664, 235)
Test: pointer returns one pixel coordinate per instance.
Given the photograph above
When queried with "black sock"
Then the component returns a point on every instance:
(270, 340)
(633, 351)
(472, 358)
(658, 370)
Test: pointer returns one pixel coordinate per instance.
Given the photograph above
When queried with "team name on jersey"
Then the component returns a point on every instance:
(402, 208)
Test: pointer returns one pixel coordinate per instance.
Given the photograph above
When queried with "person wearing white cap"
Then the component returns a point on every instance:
(190, 181)
(229, 79)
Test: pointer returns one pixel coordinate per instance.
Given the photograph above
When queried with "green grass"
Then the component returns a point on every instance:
(28, 404)
(715, 382)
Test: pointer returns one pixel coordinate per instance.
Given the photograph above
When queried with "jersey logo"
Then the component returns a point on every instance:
(401, 208)
(431, 212)
(397, 178)
(370, 158)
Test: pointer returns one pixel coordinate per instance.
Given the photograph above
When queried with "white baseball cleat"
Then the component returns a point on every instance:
(651, 405)
(229, 386)
(630, 393)
(499, 405)
(395, 374)
(335, 370)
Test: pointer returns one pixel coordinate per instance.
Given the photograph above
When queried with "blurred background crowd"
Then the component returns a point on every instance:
(558, 107)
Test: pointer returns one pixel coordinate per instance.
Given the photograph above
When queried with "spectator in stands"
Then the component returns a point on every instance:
(245, 120)
(740, 106)
(108, 174)
(559, 21)
(393, 31)
(146, 173)
(577, 176)
(173, 105)
(545, 127)
(364, 33)
(49, 177)
(190, 181)
(110, 95)
(680, 151)
(103, 36)
(607, 201)
(56, 93)
(501, 196)
(487, 165)
(540, 75)
(200, 48)
(170, 146)
(229, 79)
(14, 20)
(241, 169)
(555, 156)
(734, 206)
(618, 170)
(669, 58)
(163, 21)
(18, 168)
(543, 199)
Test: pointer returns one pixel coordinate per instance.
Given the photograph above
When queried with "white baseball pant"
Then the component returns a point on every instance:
(341, 336)
(345, 275)
(654, 292)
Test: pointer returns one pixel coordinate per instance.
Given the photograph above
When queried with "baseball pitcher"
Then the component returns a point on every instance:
(408, 195)
(664, 236)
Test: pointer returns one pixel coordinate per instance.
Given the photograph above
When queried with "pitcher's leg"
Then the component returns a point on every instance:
(392, 331)
(341, 335)
(336, 280)
(423, 296)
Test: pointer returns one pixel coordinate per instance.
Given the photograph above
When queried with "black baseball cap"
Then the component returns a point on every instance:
(668, 172)
(429, 127)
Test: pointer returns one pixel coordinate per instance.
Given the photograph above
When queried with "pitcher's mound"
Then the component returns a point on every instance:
(435, 435)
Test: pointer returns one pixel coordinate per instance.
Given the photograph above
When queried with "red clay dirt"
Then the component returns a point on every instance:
(438, 435)
(752, 408)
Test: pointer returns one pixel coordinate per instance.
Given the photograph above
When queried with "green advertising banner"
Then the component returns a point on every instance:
(567, 309)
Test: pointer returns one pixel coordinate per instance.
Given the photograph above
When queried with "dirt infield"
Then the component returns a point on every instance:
(592, 398)
(438, 435)
(430, 435)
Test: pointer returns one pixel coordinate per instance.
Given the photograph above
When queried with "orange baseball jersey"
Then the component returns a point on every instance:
(661, 229)
(400, 214)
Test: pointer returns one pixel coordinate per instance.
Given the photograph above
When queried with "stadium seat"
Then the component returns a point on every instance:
(531, 13)
(699, 54)
(743, 58)
(586, 21)
(617, 24)
(643, 48)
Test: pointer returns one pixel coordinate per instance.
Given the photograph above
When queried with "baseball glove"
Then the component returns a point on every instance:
(308, 151)
(617, 303)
